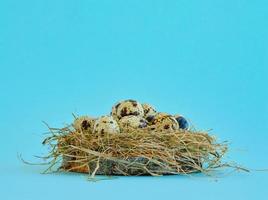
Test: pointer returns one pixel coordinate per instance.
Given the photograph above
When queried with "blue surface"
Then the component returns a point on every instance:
(207, 60)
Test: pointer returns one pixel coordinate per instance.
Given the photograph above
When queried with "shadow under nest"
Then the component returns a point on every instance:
(138, 152)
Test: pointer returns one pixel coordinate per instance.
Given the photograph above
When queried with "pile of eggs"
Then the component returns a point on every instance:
(129, 115)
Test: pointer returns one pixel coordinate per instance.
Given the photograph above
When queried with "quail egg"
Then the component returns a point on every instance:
(84, 123)
(106, 124)
(164, 122)
(114, 111)
(127, 107)
(132, 122)
(148, 110)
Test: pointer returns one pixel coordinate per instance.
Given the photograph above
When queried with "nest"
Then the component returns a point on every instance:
(137, 152)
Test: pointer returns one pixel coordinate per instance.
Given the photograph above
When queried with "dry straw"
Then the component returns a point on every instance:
(138, 152)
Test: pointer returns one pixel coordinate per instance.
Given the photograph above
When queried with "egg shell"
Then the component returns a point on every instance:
(84, 123)
(127, 107)
(132, 122)
(148, 110)
(106, 124)
(164, 122)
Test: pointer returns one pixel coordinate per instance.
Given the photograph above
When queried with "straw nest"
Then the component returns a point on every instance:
(137, 152)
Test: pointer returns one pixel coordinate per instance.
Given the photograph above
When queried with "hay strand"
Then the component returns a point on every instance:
(138, 152)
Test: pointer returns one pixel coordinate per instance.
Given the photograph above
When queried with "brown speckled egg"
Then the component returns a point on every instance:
(127, 107)
(148, 110)
(84, 123)
(131, 122)
(106, 124)
(114, 111)
(164, 122)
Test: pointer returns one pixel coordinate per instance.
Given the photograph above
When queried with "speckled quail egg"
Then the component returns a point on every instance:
(106, 124)
(127, 107)
(114, 111)
(131, 122)
(183, 123)
(148, 110)
(84, 123)
(164, 122)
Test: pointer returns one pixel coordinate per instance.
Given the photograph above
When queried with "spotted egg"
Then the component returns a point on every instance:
(126, 108)
(106, 124)
(164, 122)
(148, 110)
(131, 122)
(114, 111)
(84, 123)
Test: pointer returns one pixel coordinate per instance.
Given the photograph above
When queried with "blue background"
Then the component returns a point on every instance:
(207, 60)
